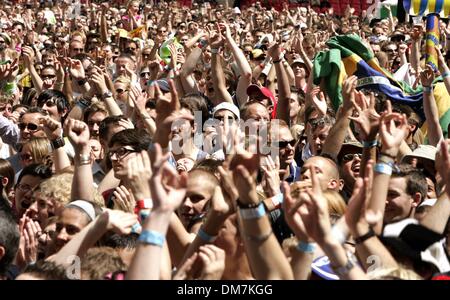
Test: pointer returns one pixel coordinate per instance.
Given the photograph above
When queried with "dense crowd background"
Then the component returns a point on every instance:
(195, 140)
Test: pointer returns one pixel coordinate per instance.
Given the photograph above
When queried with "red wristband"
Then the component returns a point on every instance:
(146, 203)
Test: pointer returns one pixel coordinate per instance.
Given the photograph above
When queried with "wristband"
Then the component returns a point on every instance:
(252, 213)
(136, 228)
(143, 214)
(446, 74)
(205, 237)
(202, 44)
(277, 61)
(84, 159)
(370, 144)
(306, 247)
(426, 89)
(364, 237)
(144, 203)
(383, 168)
(58, 143)
(151, 237)
(277, 200)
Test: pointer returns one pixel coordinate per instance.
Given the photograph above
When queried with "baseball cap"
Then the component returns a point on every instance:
(227, 106)
(350, 147)
(253, 88)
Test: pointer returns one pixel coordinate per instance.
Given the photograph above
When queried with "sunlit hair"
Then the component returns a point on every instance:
(398, 273)
(40, 150)
(336, 204)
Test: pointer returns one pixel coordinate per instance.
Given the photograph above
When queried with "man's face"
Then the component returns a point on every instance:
(24, 192)
(299, 70)
(317, 138)
(120, 155)
(375, 48)
(258, 114)
(121, 64)
(6, 109)
(29, 127)
(76, 47)
(94, 121)
(294, 106)
(350, 165)
(323, 172)
(51, 108)
(196, 198)
(18, 29)
(48, 76)
(285, 144)
(399, 205)
(70, 222)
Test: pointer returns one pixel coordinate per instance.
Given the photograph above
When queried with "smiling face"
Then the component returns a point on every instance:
(350, 166)
(399, 204)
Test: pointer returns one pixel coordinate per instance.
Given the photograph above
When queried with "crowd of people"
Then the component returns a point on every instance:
(152, 140)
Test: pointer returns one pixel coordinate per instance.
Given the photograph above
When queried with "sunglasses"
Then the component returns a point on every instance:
(120, 91)
(130, 49)
(284, 144)
(350, 156)
(26, 156)
(49, 76)
(29, 126)
(145, 74)
(78, 49)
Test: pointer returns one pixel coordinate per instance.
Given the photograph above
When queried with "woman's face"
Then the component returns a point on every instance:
(26, 156)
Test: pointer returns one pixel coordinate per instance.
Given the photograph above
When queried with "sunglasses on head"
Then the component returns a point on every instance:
(29, 126)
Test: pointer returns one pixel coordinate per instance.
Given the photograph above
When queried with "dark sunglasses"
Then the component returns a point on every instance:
(120, 91)
(50, 103)
(144, 74)
(30, 126)
(350, 156)
(284, 144)
(49, 76)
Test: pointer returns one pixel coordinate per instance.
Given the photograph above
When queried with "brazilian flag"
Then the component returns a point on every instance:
(348, 55)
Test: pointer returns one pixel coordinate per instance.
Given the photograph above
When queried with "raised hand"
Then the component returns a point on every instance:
(118, 221)
(442, 163)
(315, 216)
(78, 133)
(348, 92)
(427, 76)
(167, 187)
(271, 178)
(213, 262)
(317, 98)
(292, 208)
(123, 199)
(51, 127)
(367, 120)
(76, 69)
(139, 174)
(98, 78)
(393, 130)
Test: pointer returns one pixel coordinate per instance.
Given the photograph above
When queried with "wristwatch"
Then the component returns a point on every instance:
(105, 95)
(58, 143)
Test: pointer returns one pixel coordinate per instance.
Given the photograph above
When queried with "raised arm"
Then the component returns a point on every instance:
(146, 263)
(333, 142)
(245, 70)
(28, 56)
(392, 135)
(430, 108)
(53, 130)
(83, 181)
(284, 91)
(221, 93)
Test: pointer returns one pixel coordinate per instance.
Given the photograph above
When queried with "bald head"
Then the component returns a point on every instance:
(326, 170)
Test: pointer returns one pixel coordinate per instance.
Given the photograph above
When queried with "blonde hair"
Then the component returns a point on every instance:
(59, 188)
(336, 204)
(399, 273)
(123, 80)
(40, 150)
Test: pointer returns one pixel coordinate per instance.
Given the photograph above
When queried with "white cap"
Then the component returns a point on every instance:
(228, 106)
